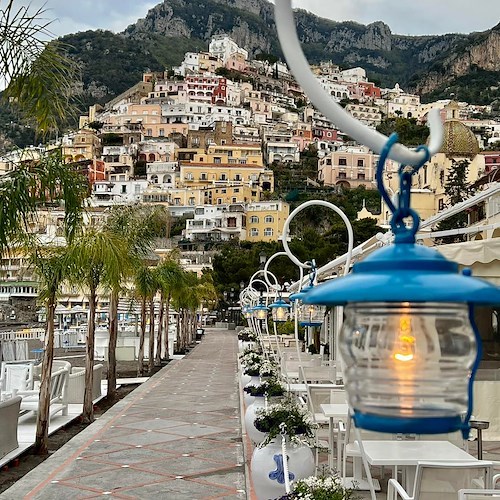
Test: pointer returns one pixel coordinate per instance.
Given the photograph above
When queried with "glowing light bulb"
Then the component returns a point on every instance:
(405, 344)
(280, 313)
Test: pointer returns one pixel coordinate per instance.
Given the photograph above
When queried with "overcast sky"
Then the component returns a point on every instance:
(412, 17)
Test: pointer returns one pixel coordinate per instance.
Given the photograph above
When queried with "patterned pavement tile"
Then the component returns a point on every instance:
(177, 489)
(109, 480)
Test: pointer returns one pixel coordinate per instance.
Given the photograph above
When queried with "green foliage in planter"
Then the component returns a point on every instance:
(270, 388)
(324, 486)
(298, 422)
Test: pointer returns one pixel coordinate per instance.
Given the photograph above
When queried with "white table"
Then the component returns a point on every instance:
(334, 412)
(406, 454)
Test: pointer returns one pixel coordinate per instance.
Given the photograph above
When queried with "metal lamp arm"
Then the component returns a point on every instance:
(299, 65)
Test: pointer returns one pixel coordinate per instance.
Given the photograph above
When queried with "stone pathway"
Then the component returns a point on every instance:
(177, 436)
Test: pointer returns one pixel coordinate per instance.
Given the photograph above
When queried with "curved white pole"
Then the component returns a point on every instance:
(266, 271)
(299, 65)
(322, 203)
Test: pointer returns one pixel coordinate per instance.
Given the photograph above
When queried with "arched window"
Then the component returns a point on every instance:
(269, 219)
(254, 219)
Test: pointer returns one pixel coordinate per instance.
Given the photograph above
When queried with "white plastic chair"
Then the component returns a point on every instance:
(351, 443)
(58, 398)
(16, 377)
(442, 480)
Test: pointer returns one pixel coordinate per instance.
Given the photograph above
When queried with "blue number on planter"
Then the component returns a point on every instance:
(279, 473)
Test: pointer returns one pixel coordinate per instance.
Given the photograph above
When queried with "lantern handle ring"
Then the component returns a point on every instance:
(403, 210)
(276, 287)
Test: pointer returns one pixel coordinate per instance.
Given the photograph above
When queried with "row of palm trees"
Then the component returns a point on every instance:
(114, 258)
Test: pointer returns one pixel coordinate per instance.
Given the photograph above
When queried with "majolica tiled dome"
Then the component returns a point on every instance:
(459, 140)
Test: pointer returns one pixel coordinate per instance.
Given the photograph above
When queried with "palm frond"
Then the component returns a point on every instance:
(33, 183)
(38, 74)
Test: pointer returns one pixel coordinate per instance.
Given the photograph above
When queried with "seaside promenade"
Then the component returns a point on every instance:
(176, 436)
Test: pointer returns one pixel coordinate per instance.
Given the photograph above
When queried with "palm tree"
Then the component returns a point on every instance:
(145, 288)
(50, 267)
(37, 72)
(188, 297)
(169, 276)
(22, 191)
(138, 225)
(95, 259)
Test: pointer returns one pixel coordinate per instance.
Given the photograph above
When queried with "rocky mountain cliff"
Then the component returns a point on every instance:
(427, 64)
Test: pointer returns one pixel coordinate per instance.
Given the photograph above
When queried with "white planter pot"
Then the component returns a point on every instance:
(267, 468)
(245, 379)
(255, 435)
(242, 345)
(247, 398)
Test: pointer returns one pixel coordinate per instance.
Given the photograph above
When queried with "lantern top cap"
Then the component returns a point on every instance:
(260, 307)
(279, 303)
(405, 272)
(301, 294)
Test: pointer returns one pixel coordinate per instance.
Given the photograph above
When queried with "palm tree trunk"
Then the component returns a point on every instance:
(42, 421)
(179, 333)
(88, 405)
(184, 329)
(193, 326)
(167, 326)
(113, 338)
(160, 330)
(140, 357)
(151, 360)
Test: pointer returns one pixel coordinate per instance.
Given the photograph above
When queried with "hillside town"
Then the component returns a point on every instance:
(203, 137)
(147, 347)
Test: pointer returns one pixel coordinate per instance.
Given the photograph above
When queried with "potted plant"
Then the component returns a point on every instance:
(246, 338)
(271, 388)
(268, 369)
(249, 358)
(289, 424)
(298, 421)
(324, 486)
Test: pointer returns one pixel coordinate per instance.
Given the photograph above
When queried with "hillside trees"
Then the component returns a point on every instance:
(456, 189)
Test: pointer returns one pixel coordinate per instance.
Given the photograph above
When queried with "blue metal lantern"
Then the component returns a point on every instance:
(260, 312)
(280, 310)
(246, 311)
(409, 341)
(308, 314)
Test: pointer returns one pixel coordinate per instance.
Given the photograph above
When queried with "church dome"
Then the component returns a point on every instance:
(459, 140)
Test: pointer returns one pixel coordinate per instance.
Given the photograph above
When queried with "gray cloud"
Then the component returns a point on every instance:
(404, 17)
(72, 16)
(423, 17)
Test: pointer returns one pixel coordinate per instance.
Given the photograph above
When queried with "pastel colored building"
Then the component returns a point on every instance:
(265, 220)
(348, 167)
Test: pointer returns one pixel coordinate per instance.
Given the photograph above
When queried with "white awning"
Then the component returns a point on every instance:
(482, 256)
(470, 252)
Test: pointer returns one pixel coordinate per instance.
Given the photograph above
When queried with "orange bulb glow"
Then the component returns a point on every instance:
(406, 341)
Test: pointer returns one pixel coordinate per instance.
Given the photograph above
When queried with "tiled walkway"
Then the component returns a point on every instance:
(177, 436)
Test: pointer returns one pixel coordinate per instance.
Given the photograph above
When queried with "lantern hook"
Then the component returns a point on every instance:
(403, 210)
